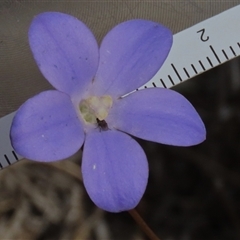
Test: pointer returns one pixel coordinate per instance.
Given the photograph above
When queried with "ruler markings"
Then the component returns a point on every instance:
(9, 158)
(158, 84)
(224, 53)
(195, 50)
(201, 46)
(185, 70)
(215, 54)
(175, 70)
(163, 83)
(15, 155)
(209, 61)
(229, 53)
(236, 49)
(201, 64)
(194, 69)
(9, 163)
(171, 80)
(233, 51)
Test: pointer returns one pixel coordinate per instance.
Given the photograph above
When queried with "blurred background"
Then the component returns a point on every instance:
(193, 193)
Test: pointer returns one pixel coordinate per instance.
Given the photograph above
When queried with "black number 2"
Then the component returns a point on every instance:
(203, 37)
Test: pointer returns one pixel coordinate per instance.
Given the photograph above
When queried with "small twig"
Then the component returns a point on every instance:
(147, 230)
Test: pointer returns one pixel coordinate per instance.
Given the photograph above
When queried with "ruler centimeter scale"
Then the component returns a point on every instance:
(194, 51)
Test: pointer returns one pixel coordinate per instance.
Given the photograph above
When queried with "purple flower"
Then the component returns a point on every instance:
(88, 106)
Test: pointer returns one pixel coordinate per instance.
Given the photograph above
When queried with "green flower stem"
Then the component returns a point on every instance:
(147, 230)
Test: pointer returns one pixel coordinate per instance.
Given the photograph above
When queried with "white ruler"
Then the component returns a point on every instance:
(195, 50)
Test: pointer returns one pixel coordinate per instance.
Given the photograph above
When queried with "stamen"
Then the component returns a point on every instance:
(95, 107)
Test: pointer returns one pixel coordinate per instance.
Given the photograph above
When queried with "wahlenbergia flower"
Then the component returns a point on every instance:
(88, 106)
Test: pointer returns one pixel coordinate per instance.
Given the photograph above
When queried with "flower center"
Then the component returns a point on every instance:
(94, 108)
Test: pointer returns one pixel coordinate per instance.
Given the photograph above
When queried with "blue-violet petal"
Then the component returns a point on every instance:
(130, 55)
(65, 50)
(115, 170)
(159, 115)
(46, 128)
